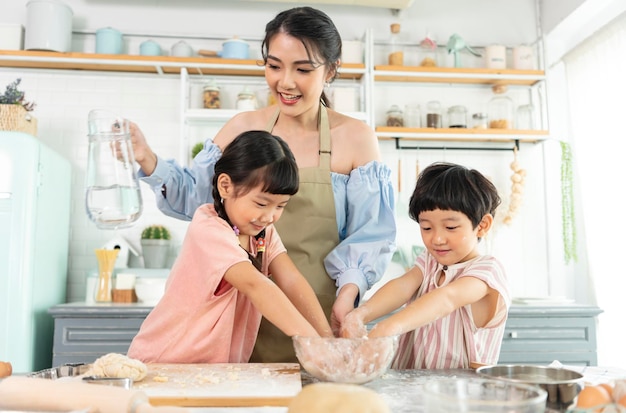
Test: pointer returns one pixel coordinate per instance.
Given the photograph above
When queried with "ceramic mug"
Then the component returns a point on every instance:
(108, 41)
(150, 48)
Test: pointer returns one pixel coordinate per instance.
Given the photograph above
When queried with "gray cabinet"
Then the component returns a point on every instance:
(84, 332)
(540, 335)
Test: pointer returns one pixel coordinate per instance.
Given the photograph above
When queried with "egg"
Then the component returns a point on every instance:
(622, 401)
(5, 369)
(608, 388)
(592, 396)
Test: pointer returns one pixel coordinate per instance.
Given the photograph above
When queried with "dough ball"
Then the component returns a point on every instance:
(118, 365)
(337, 398)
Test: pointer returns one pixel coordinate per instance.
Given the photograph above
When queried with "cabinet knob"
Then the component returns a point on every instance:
(513, 334)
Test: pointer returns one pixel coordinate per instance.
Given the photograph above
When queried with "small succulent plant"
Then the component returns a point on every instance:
(155, 232)
(13, 96)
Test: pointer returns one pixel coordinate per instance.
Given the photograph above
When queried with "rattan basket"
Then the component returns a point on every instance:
(16, 118)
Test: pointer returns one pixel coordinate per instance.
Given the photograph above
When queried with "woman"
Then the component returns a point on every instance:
(339, 228)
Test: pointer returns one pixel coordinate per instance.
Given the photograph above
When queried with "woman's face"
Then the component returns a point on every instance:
(295, 80)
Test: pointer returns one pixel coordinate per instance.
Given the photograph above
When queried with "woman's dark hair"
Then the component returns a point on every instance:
(256, 158)
(452, 187)
(315, 30)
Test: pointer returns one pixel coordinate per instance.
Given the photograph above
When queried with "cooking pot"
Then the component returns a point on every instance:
(48, 26)
(108, 41)
(562, 385)
(235, 49)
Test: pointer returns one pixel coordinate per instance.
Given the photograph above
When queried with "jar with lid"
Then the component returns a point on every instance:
(525, 117)
(246, 100)
(395, 117)
(457, 117)
(433, 114)
(479, 121)
(501, 109)
(211, 95)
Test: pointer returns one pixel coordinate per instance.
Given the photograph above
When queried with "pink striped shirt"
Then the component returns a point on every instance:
(454, 341)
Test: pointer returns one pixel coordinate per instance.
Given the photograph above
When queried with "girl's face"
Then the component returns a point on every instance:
(255, 210)
(295, 80)
(449, 236)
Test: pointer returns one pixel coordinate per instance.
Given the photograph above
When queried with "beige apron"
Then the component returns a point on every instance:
(308, 229)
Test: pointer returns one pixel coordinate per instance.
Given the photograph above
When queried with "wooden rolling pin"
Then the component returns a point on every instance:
(25, 393)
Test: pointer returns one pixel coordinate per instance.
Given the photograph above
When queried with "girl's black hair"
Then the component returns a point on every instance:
(453, 187)
(256, 158)
(315, 30)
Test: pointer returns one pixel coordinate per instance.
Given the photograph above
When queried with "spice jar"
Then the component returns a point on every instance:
(246, 100)
(479, 121)
(500, 109)
(433, 114)
(395, 117)
(396, 55)
(457, 117)
(211, 96)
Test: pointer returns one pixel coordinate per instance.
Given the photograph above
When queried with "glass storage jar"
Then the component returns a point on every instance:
(433, 114)
(525, 117)
(501, 109)
(457, 117)
(479, 121)
(395, 117)
(396, 54)
(211, 96)
(246, 100)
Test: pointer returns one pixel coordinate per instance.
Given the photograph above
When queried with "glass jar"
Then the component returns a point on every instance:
(457, 117)
(525, 117)
(396, 55)
(413, 116)
(433, 114)
(395, 117)
(211, 96)
(428, 52)
(479, 121)
(501, 109)
(246, 100)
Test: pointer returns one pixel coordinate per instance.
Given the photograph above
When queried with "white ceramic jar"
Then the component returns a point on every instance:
(48, 26)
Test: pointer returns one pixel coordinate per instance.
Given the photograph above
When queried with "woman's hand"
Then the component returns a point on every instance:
(353, 324)
(344, 303)
(144, 156)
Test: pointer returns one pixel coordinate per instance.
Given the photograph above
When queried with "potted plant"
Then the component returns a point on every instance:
(155, 244)
(15, 110)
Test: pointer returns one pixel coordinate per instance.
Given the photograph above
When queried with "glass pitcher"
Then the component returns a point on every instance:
(113, 198)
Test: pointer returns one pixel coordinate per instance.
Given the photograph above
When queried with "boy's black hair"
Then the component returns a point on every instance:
(453, 187)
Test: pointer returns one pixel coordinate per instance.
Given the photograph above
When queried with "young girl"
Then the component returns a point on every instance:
(219, 287)
(456, 299)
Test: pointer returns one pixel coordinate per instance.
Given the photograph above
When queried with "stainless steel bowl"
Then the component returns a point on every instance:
(345, 360)
(562, 385)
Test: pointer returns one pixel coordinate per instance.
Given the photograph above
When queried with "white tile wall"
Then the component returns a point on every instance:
(63, 101)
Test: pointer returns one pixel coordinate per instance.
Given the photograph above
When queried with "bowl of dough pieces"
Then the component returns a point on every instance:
(345, 360)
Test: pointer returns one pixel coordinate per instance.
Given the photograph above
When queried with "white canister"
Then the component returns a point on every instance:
(523, 58)
(48, 26)
(495, 57)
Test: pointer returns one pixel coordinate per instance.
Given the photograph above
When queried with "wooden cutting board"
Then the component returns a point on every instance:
(221, 385)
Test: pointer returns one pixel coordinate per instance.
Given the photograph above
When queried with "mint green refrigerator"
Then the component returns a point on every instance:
(35, 184)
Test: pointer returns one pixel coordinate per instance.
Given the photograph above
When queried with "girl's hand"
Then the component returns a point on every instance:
(344, 303)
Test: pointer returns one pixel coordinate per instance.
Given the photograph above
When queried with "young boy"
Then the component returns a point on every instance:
(456, 299)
